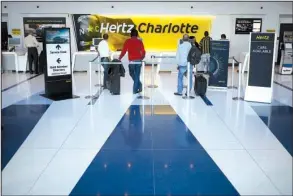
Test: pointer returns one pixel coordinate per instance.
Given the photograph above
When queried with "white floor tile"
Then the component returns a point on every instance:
(243, 172)
(244, 122)
(56, 124)
(63, 173)
(99, 122)
(19, 176)
(277, 164)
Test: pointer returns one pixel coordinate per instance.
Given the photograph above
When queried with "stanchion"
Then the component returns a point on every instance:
(188, 96)
(239, 85)
(100, 75)
(152, 74)
(232, 77)
(90, 96)
(142, 96)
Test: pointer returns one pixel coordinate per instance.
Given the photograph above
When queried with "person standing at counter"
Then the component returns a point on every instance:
(136, 53)
(223, 37)
(104, 52)
(182, 62)
(31, 44)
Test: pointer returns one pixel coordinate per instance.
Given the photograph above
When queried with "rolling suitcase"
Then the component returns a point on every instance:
(114, 78)
(200, 85)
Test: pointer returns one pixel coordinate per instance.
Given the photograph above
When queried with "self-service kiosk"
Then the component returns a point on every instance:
(286, 58)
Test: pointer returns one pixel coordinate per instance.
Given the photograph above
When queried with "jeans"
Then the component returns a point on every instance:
(205, 61)
(106, 68)
(134, 71)
(181, 71)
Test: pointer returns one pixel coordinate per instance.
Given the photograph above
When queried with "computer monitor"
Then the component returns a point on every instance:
(96, 41)
(13, 41)
(288, 45)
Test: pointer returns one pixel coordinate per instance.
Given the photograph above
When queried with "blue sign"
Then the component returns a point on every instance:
(218, 67)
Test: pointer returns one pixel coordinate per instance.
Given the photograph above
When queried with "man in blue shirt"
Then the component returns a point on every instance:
(181, 59)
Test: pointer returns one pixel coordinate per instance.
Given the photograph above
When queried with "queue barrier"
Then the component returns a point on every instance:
(188, 96)
(153, 85)
(233, 72)
(91, 96)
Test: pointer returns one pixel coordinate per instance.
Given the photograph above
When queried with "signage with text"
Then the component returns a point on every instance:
(157, 32)
(248, 25)
(36, 25)
(261, 59)
(58, 75)
(219, 63)
(58, 52)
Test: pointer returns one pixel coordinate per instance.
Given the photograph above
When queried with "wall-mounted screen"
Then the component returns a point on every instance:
(96, 41)
(13, 41)
(248, 25)
(36, 25)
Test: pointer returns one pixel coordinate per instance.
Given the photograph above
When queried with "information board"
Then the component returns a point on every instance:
(36, 25)
(248, 25)
(58, 75)
(218, 67)
(58, 52)
(261, 59)
(261, 67)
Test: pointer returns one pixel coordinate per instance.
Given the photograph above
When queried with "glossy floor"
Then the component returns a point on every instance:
(164, 145)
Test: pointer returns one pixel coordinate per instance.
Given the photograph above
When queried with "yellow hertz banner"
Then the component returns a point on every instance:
(159, 33)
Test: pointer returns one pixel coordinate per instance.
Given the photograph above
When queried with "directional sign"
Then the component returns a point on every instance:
(58, 59)
(58, 52)
(58, 76)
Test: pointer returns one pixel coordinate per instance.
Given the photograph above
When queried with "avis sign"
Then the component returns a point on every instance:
(58, 54)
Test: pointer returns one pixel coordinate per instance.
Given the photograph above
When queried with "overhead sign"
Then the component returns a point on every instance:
(37, 25)
(58, 52)
(16, 32)
(261, 67)
(248, 25)
(157, 32)
(219, 64)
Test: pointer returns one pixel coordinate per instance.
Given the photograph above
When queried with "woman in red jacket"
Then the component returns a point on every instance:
(136, 53)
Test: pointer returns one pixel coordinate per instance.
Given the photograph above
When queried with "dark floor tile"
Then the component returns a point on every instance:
(279, 121)
(114, 172)
(18, 121)
(189, 172)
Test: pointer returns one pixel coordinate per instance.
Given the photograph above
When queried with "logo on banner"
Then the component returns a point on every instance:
(157, 33)
(263, 37)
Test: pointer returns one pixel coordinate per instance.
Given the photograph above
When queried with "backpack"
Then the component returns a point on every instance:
(194, 55)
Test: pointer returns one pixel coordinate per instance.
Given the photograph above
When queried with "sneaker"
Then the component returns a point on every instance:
(178, 94)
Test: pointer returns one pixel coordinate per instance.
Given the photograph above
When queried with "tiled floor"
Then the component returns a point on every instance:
(164, 145)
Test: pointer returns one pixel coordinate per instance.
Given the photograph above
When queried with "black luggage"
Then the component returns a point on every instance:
(200, 85)
(115, 71)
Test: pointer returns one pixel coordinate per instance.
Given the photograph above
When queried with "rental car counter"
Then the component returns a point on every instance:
(80, 60)
(16, 61)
